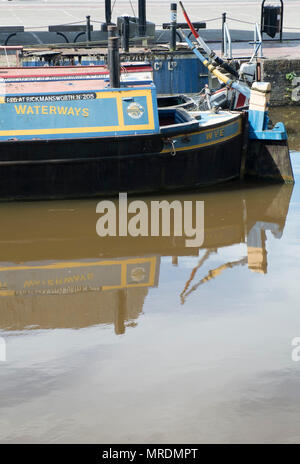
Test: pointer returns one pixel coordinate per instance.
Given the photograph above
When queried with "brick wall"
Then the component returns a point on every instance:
(284, 91)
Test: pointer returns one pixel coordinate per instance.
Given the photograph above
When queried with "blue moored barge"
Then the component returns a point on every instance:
(82, 137)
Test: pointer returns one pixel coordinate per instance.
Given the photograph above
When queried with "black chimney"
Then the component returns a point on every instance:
(142, 18)
(107, 12)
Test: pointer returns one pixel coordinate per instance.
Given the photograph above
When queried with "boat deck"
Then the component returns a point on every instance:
(207, 117)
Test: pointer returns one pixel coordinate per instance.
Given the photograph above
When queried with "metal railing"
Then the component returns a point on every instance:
(227, 43)
(257, 43)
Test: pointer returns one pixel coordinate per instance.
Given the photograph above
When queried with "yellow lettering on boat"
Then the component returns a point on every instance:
(52, 110)
(44, 109)
(31, 283)
(20, 109)
(218, 133)
(62, 110)
(71, 111)
(77, 111)
(37, 109)
(30, 110)
(209, 135)
(85, 112)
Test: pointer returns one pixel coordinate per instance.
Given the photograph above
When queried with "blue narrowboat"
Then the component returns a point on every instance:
(80, 137)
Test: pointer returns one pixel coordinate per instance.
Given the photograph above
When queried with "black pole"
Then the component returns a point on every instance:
(173, 27)
(142, 18)
(88, 28)
(223, 27)
(262, 19)
(113, 57)
(281, 20)
(107, 12)
(125, 34)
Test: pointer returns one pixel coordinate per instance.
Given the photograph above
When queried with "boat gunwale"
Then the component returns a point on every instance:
(119, 138)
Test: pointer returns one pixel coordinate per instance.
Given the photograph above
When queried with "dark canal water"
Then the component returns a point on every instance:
(145, 339)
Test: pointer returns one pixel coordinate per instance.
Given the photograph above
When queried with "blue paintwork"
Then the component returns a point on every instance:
(129, 121)
(179, 75)
(79, 114)
(258, 120)
(277, 133)
(258, 127)
(209, 136)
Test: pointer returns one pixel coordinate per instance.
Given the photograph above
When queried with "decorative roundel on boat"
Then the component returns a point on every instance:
(135, 110)
(138, 274)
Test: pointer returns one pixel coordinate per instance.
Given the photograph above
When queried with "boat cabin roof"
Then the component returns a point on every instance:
(44, 87)
(23, 88)
(66, 78)
(65, 71)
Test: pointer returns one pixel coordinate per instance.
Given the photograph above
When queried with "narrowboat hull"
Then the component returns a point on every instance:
(85, 167)
(74, 138)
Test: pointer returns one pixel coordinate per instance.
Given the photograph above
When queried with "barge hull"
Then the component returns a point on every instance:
(96, 167)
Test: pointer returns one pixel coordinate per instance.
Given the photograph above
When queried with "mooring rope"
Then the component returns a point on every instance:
(47, 25)
(98, 22)
(219, 18)
(132, 8)
(212, 19)
(112, 8)
(240, 20)
(249, 22)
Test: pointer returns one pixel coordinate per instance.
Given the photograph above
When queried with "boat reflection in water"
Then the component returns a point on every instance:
(55, 272)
